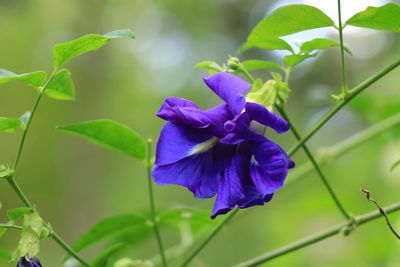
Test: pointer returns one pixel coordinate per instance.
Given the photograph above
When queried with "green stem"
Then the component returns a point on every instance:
(153, 206)
(246, 73)
(360, 137)
(69, 249)
(288, 71)
(213, 233)
(28, 124)
(342, 60)
(24, 134)
(352, 93)
(343, 227)
(17, 189)
(315, 165)
(327, 154)
(13, 183)
(10, 226)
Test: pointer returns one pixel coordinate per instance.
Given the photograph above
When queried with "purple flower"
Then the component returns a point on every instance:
(28, 262)
(222, 151)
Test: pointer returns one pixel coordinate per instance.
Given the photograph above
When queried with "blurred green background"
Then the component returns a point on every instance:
(74, 184)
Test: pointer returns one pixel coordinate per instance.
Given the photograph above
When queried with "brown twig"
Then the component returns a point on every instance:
(381, 211)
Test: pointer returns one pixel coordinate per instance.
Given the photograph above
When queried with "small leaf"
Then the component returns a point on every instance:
(385, 18)
(61, 86)
(65, 51)
(320, 43)
(107, 227)
(395, 165)
(293, 60)
(251, 65)
(289, 19)
(34, 79)
(16, 213)
(9, 125)
(101, 260)
(111, 134)
(266, 43)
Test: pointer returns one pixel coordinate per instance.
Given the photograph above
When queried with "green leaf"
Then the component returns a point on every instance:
(395, 165)
(9, 125)
(34, 79)
(385, 18)
(319, 44)
(293, 60)
(108, 227)
(263, 42)
(61, 86)
(251, 65)
(111, 134)
(66, 51)
(16, 213)
(101, 260)
(289, 19)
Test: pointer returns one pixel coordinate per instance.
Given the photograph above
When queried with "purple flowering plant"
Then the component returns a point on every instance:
(224, 152)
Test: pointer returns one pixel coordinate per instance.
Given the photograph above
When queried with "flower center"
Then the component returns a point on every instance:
(205, 146)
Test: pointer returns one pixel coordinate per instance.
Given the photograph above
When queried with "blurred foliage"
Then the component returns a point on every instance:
(75, 184)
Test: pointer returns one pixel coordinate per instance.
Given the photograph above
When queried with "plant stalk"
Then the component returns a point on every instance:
(351, 94)
(340, 228)
(315, 165)
(212, 234)
(342, 59)
(153, 206)
(17, 189)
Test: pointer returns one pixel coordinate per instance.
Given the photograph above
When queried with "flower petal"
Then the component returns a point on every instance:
(183, 111)
(269, 167)
(229, 88)
(200, 173)
(262, 115)
(230, 190)
(177, 142)
(218, 115)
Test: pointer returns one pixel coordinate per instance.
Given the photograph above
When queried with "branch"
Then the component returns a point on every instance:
(351, 94)
(340, 228)
(209, 237)
(381, 211)
(153, 205)
(328, 154)
(315, 165)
